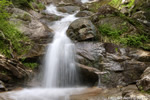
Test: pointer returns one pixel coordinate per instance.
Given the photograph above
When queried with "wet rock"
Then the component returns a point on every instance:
(89, 52)
(144, 82)
(81, 29)
(48, 19)
(68, 9)
(84, 13)
(13, 69)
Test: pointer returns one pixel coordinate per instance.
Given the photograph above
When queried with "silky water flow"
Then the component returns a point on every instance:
(60, 78)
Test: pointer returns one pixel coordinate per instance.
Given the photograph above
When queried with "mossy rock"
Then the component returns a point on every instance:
(118, 24)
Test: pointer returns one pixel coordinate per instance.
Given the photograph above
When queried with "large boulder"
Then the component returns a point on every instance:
(29, 25)
(81, 29)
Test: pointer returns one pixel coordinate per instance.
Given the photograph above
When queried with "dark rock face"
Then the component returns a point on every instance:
(133, 71)
(81, 29)
(120, 66)
(88, 75)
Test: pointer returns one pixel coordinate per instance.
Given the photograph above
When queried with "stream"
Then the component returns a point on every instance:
(60, 77)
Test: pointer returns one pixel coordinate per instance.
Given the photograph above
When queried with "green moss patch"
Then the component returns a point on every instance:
(118, 4)
(116, 36)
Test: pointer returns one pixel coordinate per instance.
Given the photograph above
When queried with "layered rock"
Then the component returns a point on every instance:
(81, 29)
(120, 65)
(12, 71)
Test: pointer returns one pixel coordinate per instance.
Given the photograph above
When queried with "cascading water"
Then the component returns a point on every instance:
(60, 70)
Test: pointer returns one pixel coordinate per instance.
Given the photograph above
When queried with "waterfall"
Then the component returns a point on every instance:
(60, 68)
(60, 73)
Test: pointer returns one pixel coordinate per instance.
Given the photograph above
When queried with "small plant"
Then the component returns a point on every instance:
(107, 30)
(134, 40)
(11, 40)
(21, 3)
(31, 65)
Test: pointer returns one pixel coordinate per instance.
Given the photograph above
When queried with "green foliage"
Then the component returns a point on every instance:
(28, 4)
(94, 7)
(3, 5)
(115, 3)
(20, 43)
(118, 4)
(106, 30)
(11, 40)
(31, 65)
(115, 35)
(40, 6)
(134, 40)
(21, 3)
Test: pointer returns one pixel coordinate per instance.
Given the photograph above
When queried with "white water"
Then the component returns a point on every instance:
(60, 69)
(84, 1)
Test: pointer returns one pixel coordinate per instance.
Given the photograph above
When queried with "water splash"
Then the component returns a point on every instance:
(43, 94)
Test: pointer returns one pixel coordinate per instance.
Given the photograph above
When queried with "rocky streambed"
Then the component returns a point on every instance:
(121, 72)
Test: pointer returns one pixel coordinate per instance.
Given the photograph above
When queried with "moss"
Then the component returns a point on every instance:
(115, 3)
(118, 4)
(115, 35)
(107, 30)
(21, 3)
(37, 5)
(32, 65)
(26, 17)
